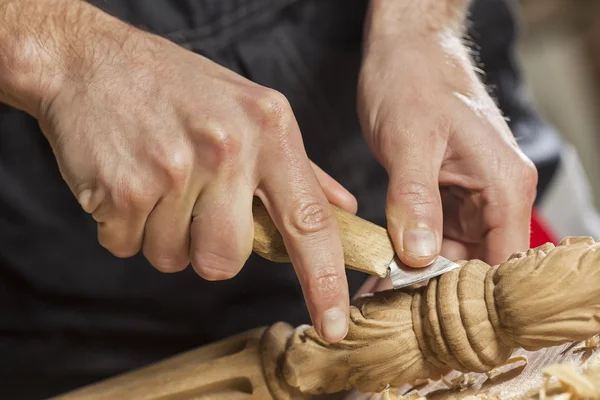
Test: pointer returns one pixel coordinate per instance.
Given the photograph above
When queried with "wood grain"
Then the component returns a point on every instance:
(367, 246)
(515, 382)
(229, 369)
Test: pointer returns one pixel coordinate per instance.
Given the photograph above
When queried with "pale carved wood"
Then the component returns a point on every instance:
(367, 246)
(470, 319)
(237, 368)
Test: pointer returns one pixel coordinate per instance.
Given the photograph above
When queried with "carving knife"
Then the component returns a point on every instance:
(367, 248)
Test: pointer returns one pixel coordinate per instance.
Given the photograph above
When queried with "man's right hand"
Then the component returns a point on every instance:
(165, 149)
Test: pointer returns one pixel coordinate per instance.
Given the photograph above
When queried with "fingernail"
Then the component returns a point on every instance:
(334, 325)
(419, 242)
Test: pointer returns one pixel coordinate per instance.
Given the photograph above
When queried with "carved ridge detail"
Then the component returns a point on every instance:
(469, 319)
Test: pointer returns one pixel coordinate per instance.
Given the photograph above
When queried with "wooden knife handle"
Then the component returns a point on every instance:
(367, 246)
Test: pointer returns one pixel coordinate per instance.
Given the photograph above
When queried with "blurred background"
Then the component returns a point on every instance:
(559, 51)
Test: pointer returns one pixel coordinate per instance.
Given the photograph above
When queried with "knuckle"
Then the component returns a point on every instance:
(132, 196)
(224, 147)
(276, 112)
(516, 185)
(326, 281)
(530, 180)
(178, 166)
(412, 192)
(215, 267)
(310, 216)
(88, 197)
(500, 205)
(136, 198)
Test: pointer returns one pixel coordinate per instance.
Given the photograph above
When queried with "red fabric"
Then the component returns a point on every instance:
(541, 231)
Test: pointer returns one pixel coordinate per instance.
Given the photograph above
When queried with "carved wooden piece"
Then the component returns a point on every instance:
(229, 369)
(470, 319)
(367, 247)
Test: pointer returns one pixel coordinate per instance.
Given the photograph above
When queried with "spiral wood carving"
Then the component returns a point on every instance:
(470, 319)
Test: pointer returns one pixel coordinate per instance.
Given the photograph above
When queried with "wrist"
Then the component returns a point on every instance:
(29, 37)
(410, 18)
(44, 44)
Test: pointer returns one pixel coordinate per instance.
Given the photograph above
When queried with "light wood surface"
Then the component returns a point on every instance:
(229, 369)
(367, 246)
(470, 319)
(513, 382)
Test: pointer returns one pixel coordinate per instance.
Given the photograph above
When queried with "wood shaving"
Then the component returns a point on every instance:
(420, 382)
(563, 381)
(512, 360)
(454, 383)
(591, 343)
(461, 382)
(467, 383)
(412, 395)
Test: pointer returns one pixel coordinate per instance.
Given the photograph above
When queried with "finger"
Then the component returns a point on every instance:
(510, 214)
(414, 216)
(120, 215)
(502, 242)
(292, 195)
(510, 230)
(336, 194)
(414, 207)
(222, 230)
(456, 250)
(121, 218)
(464, 225)
(167, 234)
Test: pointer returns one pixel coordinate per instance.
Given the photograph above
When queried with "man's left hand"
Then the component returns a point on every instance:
(459, 184)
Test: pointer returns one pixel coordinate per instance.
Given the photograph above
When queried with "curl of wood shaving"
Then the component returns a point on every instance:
(591, 343)
(561, 381)
(412, 395)
(512, 360)
(569, 383)
(461, 382)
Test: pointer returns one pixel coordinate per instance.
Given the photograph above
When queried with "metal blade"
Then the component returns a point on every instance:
(403, 275)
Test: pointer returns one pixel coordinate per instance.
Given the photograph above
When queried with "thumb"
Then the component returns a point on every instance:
(414, 212)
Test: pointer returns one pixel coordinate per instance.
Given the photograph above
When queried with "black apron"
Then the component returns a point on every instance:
(71, 313)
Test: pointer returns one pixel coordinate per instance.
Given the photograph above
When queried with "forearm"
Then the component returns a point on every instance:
(29, 32)
(45, 42)
(410, 17)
